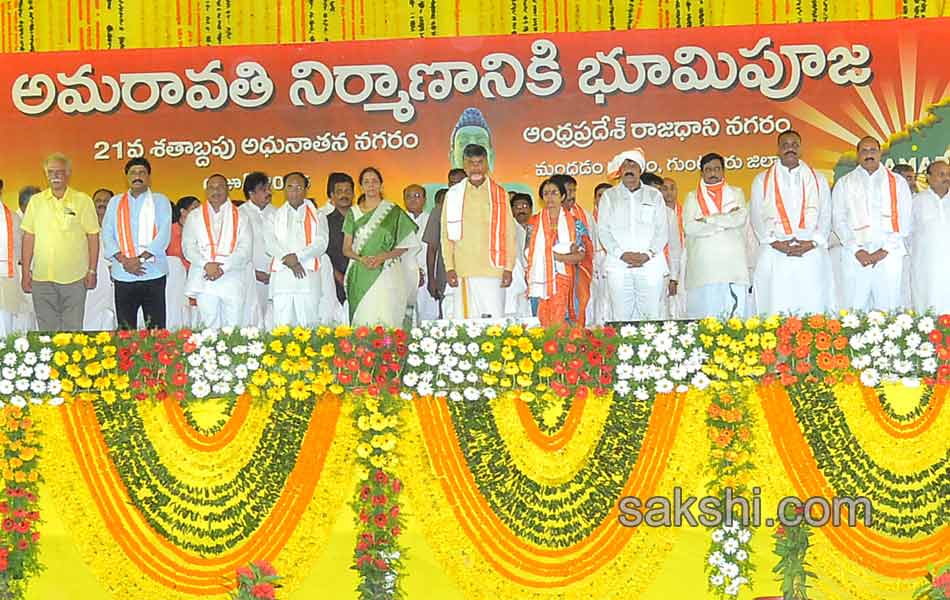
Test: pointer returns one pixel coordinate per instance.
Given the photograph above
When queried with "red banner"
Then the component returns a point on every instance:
(543, 104)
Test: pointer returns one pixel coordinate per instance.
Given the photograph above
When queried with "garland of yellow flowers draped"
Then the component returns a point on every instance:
(500, 532)
(152, 513)
(30, 25)
(831, 446)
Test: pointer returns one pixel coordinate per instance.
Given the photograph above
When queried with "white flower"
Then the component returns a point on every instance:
(425, 389)
(239, 388)
(207, 353)
(929, 365)
(687, 340)
(903, 366)
(657, 372)
(221, 388)
(851, 321)
(926, 350)
(433, 359)
(414, 360)
(30, 358)
(741, 555)
(455, 396)
(481, 364)
(240, 372)
(874, 335)
(459, 348)
(415, 333)
(744, 536)
(242, 349)
(464, 365)
(682, 389)
(643, 351)
(876, 317)
(670, 327)
(8, 373)
(891, 349)
(716, 580)
(910, 382)
(664, 386)
(256, 348)
(471, 394)
(734, 528)
(9, 359)
(622, 387)
(624, 371)
(732, 589)
(625, 352)
(21, 344)
(224, 360)
(662, 360)
(253, 364)
(893, 331)
(473, 349)
(912, 340)
(410, 379)
(46, 354)
(700, 381)
(729, 569)
(227, 330)
(405, 396)
(678, 373)
(471, 377)
(641, 393)
(195, 360)
(200, 388)
(436, 333)
(456, 377)
(41, 372)
(716, 559)
(718, 536)
(38, 387)
(904, 321)
(489, 393)
(641, 373)
(428, 345)
(677, 354)
(54, 387)
(648, 330)
(925, 325)
(18, 401)
(6, 387)
(861, 361)
(628, 331)
(870, 378)
(730, 546)
(56, 401)
(22, 385)
(445, 349)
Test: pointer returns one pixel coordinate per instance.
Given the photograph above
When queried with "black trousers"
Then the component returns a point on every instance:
(148, 295)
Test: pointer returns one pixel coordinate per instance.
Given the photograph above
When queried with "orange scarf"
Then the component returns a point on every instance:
(206, 216)
(126, 239)
(543, 220)
(780, 204)
(715, 193)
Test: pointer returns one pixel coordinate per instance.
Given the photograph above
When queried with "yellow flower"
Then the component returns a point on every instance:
(269, 360)
(495, 366)
(362, 472)
(299, 390)
(773, 322)
(15, 463)
(278, 380)
(76, 356)
(103, 337)
(260, 377)
(73, 370)
(109, 351)
(511, 368)
(376, 441)
(281, 331)
(545, 372)
(323, 331)
(33, 476)
(288, 366)
(81, 339)
(528, 396)
(276, 346)
(524, 381)
(488, 347)
(712, 324)
(541, 387)
(93, 368)
(363, 450)
(751, 358)
(363, 423)
(327, 350)
(392, 421)
(507, 353)
(301, 334)
(20, 476)
(489, 379)
(293, 350)
(719, 356)
(109, 363)
(392, 461)
(28, 454)
(723, 340)
(343, 331)
(735, 323)
(378, 461)
(505, 382)
(524, 345)
(102, 383)
(552, 413)
(389, 442)
(276, 393)
(753, 323)
(8, 474)
(537, 355)
(62, 339)
(769, 341)
(122, 382)
(336, 389)
(89, 352)
(707, 340)
(751, 340)
(372, 404)
(516, 330)
(526, 365)
(493, 331)
(377, 422)
(536, 332)
(108, 396)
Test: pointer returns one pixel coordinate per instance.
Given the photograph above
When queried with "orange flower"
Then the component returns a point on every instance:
(713, 410)
(803, 338)
(788, 380)
(794, 324)
(850, 378)
(803, 367)
(785, 348)
(822, 341)
(834, 326)
(725, 438)
(802, 352)
(842, 362)
(726, 399)
(744, 434)
(825, 361)
(829, 379)
(767, 357)
(816, 321)
(840, 342)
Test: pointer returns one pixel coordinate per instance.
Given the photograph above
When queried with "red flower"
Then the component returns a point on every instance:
(784, 348)
(378, 344)
(608, 331)
(604, 379)
(124, 334)
(381, 565)
(245, 573)
(364, 517)
(944, 321)
(803, 367)
(345, 378)
(362, 332)
(23, 544)
(397, 486)
(395, 531)
(36, 536)
(23, 527)
(179, 379)
(380, 500)
(265, 568)
(767, 357)
(802, 352)
(572, 377)
(8, 525)
(402, 349)
(165, 358)
(364, 493)
(380, 520)
(346, 346)
(780, 530)
(373, 390)
(365, 377)
(570, 348)
(581, 393)
(394, 511)
(401, 336)
(263, 591)
(595, 358)
(4, 507)
(382, 477)
(550, 347)
(794, 324)
(936, 337)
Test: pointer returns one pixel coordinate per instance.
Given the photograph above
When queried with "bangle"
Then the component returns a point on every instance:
(92, 272)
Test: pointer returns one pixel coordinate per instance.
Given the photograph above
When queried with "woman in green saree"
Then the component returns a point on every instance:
(376, 235)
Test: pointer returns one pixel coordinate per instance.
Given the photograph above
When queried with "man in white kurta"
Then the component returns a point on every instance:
(791, 216)
(675, 254)
(218, 244)
(873, 219)
(257, 191)
(100, 314)
(599, 298)
(634, 231)
(930, 242)
(427, 308)
(296, 237)
(517, 304)
(14, 308)
(584, 278)
(715, 218)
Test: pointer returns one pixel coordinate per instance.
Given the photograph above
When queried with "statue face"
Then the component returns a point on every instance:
(471, 134)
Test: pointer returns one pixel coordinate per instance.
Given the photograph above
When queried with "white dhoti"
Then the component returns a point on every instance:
(721, 300)
(427, 307)
(175, 301)
(517, 305)
(100, 313)
(794, 285)
(637, 294)
(216, 311)
(296, 309)
(476, 298)
(872, 288)
(930, 276)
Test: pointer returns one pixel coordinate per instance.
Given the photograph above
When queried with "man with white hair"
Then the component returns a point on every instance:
(791, 215)
(873, 219)
(931, 242)
(714, 221)
(633, 231)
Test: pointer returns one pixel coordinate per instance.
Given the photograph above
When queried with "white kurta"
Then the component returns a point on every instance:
(676, 305)
(297, 301)
(599, 296)
(517, 305)
(257, 309)
(220, 302)
(878, 286)
(427, 307)
(634, 222)
(16, 308)
(100, 312)
(930, 248)
(716, 251)
(788, 284)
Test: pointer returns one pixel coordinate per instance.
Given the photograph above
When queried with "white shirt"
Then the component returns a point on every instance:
(284, 234)
(875, 187)
(675, 245)
(632, 222)
(790, 185)
(197, 251)
(716, 246)
(255, 218)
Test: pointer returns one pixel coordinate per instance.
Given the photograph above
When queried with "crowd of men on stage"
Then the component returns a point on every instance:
(135, 259)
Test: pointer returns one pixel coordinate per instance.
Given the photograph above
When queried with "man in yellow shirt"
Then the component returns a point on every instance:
(479, 263)
(61, 241)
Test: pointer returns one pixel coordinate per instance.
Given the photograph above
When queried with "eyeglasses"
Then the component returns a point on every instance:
(296, 187)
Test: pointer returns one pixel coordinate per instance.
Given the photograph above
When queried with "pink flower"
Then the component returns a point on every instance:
(245, 573)
(265, 568)
(264, 591)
